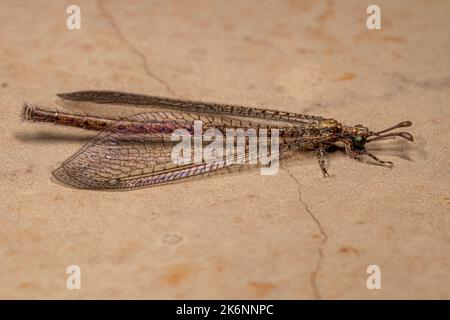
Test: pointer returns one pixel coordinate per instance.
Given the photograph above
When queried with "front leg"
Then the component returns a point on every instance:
(379, 162)
(323, 160)
(356, 154)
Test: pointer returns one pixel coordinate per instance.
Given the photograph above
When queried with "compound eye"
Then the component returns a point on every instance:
(358, 142)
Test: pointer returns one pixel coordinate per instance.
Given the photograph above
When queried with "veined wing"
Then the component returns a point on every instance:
(124, 157)
(123, 98)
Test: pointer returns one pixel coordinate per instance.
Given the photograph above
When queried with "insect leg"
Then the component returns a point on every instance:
(357, 155)
(323, 161)
(382, 163)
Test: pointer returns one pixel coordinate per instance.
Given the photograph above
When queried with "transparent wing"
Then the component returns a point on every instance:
(127, 156)
(123, 98)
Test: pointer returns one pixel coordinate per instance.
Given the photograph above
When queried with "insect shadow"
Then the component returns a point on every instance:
(52, 137)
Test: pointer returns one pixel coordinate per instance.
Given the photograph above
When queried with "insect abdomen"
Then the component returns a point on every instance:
(40, 114)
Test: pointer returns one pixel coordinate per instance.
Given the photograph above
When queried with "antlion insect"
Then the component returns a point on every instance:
(135, 152)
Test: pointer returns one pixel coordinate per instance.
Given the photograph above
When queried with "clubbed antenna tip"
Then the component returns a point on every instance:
(405, 135)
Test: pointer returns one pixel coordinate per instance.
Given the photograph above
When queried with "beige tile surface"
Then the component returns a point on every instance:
(294, 235)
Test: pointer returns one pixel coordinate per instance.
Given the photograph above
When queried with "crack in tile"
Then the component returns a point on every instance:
(138, 53)
(320, 255)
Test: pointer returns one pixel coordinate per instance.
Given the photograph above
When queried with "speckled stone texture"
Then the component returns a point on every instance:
(294, 235)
